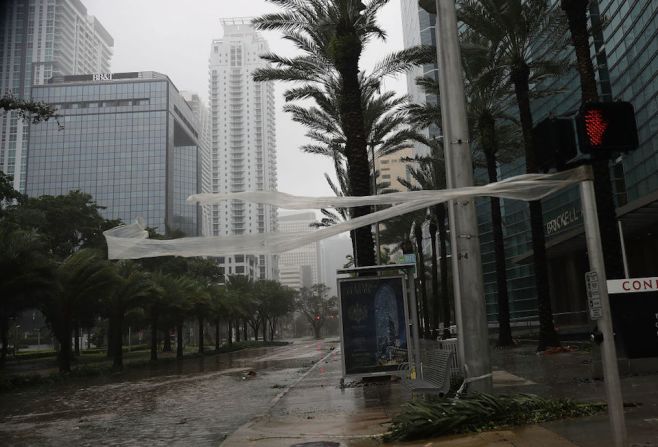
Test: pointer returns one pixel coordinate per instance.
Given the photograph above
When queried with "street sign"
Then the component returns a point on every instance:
(593, 296)
(634, 305)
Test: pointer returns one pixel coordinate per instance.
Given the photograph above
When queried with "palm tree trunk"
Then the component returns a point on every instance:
(110, 340)
(490, 145)
(200, 335)
(217, 334)
(179, 338)
(435, 281)
(418, 234)
(230, 333)
(64, 354)
(76, 337)
(4, 333)
(154, 337)
(264, 323)
(237, 330)
(346, 48)
(245, 331)
(117, 344)
(440, 213)
(547, 336)
(576, 11)
(166, 341)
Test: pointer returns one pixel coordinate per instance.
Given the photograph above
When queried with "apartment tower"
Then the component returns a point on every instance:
(242, 140)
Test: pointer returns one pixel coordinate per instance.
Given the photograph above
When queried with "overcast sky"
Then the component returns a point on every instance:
(174, 36)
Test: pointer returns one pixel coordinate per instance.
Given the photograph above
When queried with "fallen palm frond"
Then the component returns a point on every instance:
(481, 412)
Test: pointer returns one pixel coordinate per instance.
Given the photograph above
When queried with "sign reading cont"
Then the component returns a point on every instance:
(633, 285)
(634, 306)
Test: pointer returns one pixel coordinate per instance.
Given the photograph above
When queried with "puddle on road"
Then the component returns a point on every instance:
(164, 407)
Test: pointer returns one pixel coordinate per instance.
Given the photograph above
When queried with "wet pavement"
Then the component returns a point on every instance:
(197, 403)
(317, 412)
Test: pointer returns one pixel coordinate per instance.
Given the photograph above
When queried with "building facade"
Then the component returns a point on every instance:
(624, 51)
(128, 139)
(299, 267)
(419, 28)
(242, 135)
(200, 111)
(40, 39)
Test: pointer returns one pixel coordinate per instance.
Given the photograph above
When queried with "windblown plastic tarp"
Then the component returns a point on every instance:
(131, 241)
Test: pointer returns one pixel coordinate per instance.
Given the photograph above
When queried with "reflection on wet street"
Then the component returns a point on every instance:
(196, 404)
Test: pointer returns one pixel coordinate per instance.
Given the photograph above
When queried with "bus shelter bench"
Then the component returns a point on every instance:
(435, 376)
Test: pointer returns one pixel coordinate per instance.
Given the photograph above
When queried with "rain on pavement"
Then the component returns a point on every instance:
(198, 404)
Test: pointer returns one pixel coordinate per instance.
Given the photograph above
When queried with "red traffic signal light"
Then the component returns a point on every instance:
(607, 127)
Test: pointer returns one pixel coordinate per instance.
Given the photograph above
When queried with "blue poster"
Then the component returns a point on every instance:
(374, 324)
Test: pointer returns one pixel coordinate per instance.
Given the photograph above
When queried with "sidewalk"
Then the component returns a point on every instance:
(316, 410)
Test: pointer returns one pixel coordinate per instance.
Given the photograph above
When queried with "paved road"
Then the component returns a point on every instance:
(199, 408)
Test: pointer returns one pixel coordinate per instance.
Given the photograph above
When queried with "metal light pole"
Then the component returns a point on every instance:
(374, 192)
(470, 308)
(604, 322)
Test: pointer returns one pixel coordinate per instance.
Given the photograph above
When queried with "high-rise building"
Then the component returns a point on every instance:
(419, 28)
(300, 267)
(40, 39)
(128, 139)
(200, 111)
(242, 135)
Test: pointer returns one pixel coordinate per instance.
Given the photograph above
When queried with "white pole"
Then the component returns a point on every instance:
(374, 191)
(623, 249)
(608, 350)
(470, 308)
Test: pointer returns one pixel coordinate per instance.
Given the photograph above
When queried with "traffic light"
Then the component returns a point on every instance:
(598, 130)
(606, 127)
(555, 143)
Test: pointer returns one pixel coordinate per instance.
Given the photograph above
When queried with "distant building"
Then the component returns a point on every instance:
(300, 267)
(128, 139)
(242, 135)
(391, 168)
(419, 28)
(334, 251)
(203, 118)
(40, 39)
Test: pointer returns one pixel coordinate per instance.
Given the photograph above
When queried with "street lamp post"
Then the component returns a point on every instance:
(374, 192)
(470, 308)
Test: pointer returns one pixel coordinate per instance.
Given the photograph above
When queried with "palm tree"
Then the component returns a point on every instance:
(576, 12)
(513, 26)
(27, 275)
(84, 280)
(488, 94)
(133, 287)
(332, 35)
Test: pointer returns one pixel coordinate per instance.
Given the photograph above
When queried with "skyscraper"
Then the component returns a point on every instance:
(40, 39)
(300, 267)
(129, 139)
(242, 136)
(200, 111)
(419, 28)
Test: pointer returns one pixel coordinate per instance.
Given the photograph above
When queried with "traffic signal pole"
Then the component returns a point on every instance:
(604, 322)
(472, 328)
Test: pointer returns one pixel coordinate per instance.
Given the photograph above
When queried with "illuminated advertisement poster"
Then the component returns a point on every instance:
(374, 325)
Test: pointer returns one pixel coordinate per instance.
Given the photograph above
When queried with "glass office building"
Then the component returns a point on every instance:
(625, 54)
(128, 139)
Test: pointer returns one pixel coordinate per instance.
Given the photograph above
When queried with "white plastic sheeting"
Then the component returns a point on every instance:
(131, 241)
